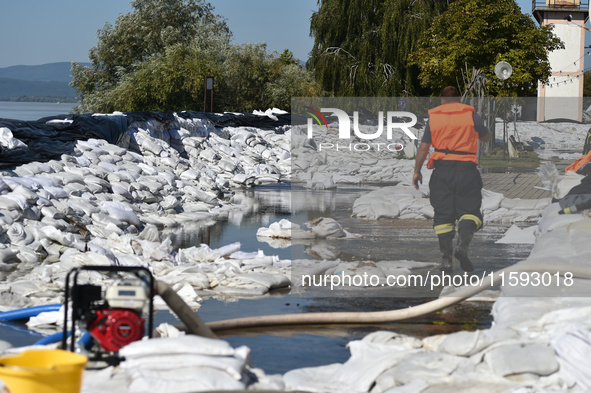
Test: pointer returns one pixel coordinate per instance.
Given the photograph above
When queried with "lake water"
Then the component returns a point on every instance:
(33, 110)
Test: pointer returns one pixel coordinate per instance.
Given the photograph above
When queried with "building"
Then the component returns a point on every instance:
(562, 96)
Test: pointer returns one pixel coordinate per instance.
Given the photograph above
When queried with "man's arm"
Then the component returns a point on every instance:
(485, 138)
(422, 153)
(484, 134)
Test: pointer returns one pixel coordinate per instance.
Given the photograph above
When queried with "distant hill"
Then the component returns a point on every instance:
(52, 72)
(23, 90)
(45, 82)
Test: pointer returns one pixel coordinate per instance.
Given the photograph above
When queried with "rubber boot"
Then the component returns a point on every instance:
(465, 233)
(446, 246)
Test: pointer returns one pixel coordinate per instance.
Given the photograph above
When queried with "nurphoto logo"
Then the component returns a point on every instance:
(395, 120)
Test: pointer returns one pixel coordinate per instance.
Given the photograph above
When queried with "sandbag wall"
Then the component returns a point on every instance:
(106, 203)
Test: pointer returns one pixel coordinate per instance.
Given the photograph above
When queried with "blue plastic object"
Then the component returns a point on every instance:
(25, 313)
(53, 338)
(85, 340)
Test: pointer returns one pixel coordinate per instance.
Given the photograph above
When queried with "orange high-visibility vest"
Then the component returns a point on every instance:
(452, 133)
(579, 163)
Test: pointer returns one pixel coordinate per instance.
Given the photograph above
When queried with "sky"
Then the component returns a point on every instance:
(36, 32)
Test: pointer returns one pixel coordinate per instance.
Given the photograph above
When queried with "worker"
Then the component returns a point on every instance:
(455, 187)
(580, 165)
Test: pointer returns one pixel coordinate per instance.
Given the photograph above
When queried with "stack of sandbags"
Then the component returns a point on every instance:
(184, 364)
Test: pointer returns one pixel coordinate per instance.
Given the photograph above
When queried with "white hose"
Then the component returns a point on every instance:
(333, 318)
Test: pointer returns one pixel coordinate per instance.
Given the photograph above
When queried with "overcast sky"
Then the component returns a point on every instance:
(40, 31)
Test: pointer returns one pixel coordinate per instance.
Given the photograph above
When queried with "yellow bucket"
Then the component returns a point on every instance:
(43, 370)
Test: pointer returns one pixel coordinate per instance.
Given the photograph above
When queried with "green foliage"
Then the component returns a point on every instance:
(254, 79)
(587, 84)
(361, 46)
(246, 70)
(290, 81)
(151, 28)
(480, 33)
(173, 81)
(144, 37)
(156, 58)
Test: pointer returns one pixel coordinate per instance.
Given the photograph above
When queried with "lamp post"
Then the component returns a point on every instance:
(570, 19)
(208, 86)
(503, 71)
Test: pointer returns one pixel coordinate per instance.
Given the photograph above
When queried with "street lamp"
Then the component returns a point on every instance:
(503, 71)
(569, 18)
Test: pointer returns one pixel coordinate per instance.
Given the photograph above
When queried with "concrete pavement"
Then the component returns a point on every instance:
(516, 185)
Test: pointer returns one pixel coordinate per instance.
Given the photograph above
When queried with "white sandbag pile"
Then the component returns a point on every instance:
(174, 365)
(284, 229)
(410, 203)
(320, 164)
(195, 364)
(549, 139)
(516, 235)
(126, 204)
(8, 140)
(320, 228)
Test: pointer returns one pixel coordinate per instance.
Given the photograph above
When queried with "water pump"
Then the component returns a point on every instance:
(114, 314)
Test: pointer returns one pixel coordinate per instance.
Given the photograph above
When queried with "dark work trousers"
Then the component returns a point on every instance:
(455, 194)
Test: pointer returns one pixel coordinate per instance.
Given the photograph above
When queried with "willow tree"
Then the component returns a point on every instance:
(361, 46)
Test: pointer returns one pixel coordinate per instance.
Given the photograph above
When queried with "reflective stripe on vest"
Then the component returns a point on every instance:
(452, 133)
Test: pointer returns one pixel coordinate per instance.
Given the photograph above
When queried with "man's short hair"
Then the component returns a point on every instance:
(451, 94)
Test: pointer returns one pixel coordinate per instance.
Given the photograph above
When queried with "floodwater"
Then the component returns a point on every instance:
(278, 350)
(283, 349)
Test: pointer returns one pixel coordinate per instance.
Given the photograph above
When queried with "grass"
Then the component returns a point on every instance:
(494, 160)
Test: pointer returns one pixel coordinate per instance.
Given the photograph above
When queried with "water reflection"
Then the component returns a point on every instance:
(378, 240)
(261, 206)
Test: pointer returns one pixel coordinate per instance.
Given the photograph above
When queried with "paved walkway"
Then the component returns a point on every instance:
(516, 185)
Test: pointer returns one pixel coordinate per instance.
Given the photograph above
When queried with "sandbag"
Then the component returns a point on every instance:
(121, 212)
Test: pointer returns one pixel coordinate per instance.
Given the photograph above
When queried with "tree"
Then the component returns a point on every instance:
(143, 37)
(290, 81)
(587, 84)
(480, 33)
(156, 58)
(255, 79)
(173, 81)
(361, 46)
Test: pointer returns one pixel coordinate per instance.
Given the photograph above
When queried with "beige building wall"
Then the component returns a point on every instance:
(562, 96)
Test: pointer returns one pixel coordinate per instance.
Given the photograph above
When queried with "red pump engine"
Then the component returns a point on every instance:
(112, 314)
(114, 329)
